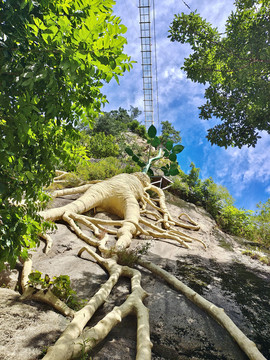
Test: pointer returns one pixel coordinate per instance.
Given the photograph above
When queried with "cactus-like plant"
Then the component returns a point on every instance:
(167, 151)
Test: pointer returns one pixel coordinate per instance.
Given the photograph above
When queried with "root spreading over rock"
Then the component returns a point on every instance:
(127, 196)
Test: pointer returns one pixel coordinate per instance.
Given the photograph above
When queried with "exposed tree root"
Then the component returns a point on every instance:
(217, 313)
(69, 345)
(122, 195)
(48, 242)
(75, 190)
(126, 196)
(60, 175)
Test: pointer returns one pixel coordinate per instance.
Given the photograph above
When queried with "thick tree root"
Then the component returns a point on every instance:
(121, 195)
(69, 345)
(71, 191)
(48, 241)
(215, 312)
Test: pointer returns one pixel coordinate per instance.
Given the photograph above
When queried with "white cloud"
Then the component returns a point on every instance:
(252, 163)
(237, 168)
(215, 12)
(173, 72)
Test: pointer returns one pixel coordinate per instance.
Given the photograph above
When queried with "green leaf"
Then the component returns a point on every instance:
(129, 151)
(166, 172)
(169, 145)
(178, 148)
(29, 175)
(35, 29)
(173, 172)
(34, 276)
(166, 153)
(135, 158)
(141, 164)
(116, 78)
(3, 187)
(39, 23)
(31, 6)
(23, 5)
(173, 157)
(113, 64)
(28, 82)
(152, 131)
(47, 278)
(174, 165)
(155, 142)
(104, 60)
(20, 164)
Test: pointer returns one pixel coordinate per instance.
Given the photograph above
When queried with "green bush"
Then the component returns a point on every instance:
(236, 221)
(261, 222)
(62, 289)
(135, 127)
(216, 199)
(99, 145)
(180, 188)
(131, 168)
(99, 170)
(116, 121)
(104, 169)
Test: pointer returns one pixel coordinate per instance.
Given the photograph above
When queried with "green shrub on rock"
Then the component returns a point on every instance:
(100, 145)
(104, 169)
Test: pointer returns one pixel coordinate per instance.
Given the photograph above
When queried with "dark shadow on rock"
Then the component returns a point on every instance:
(88, 284)
(116, 346)
(9, 278)
(117, 296)
(242, 292)
(43, 339)
(123, 336)
(181, 330)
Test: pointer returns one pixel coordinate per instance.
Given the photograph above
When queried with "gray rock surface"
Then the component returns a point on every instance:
(179, 330)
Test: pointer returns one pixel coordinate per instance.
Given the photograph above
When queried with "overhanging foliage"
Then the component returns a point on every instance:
(235, 65)
(55, 57)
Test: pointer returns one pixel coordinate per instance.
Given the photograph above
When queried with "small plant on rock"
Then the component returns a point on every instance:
(60, 287)
(129, 257)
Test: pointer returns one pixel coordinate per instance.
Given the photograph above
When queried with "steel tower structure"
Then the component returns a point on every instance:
(145, 35)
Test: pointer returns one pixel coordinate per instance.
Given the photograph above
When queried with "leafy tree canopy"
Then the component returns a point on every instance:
(55, 57)
(168, 132)
(236, 66)
(116, 121)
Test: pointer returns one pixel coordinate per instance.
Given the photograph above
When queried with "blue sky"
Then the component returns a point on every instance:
(245, 172)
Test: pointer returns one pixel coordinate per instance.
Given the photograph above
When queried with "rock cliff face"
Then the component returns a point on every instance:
(179, 330)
